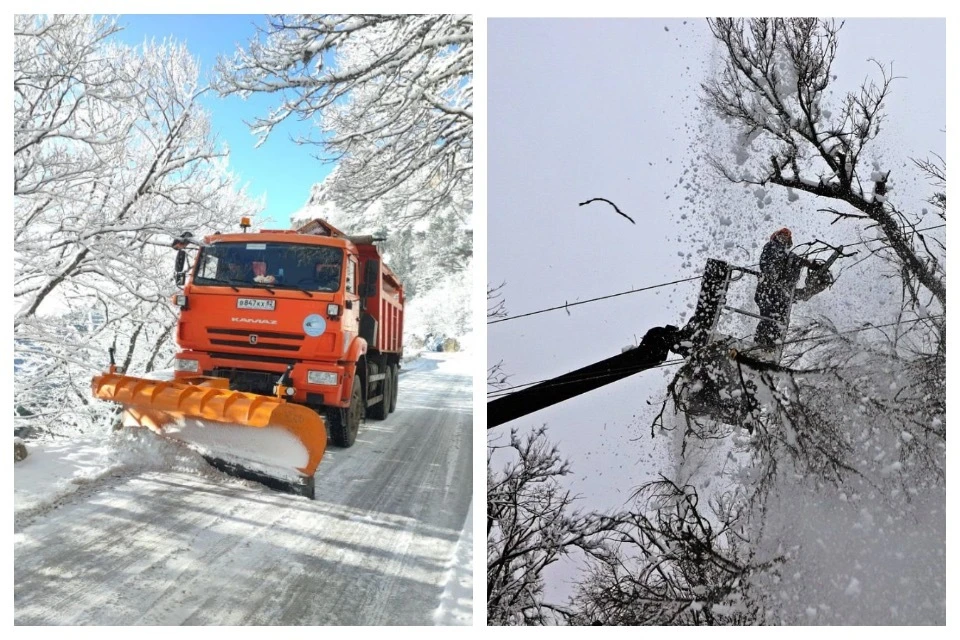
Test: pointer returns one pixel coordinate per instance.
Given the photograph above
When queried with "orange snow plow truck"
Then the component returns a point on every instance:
(285, 337)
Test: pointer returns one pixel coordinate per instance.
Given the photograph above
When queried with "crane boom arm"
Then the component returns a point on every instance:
(652, 351)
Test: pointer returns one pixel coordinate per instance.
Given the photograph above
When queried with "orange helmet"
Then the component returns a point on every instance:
(783, 235)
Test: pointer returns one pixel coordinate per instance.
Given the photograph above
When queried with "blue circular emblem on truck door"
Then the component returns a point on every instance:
(314, 325)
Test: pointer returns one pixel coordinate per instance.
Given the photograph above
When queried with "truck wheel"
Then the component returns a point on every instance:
(381, 410)
(394, 387)
(345, 423)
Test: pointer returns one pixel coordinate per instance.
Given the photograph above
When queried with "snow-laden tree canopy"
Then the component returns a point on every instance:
(113, 158)
(775, 87)
(392, 97)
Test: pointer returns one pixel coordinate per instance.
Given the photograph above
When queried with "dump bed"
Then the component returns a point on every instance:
(386, 302)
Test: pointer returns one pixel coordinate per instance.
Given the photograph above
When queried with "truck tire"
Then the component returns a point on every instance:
(344, 423)
(381, 410)
(394, 387)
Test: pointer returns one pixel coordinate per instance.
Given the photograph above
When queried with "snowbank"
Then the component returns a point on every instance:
(55, 469)
(456, 603)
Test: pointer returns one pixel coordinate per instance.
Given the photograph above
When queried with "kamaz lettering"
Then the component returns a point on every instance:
(253, 320)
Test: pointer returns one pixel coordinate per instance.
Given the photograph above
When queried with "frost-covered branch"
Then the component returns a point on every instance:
(113, 157)
(392, 95)
(774, 89)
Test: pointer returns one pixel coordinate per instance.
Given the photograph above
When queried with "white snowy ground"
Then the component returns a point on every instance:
(456, 603)
(136, 530)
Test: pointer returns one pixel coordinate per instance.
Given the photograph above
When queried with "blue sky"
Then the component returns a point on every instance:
(280, 169)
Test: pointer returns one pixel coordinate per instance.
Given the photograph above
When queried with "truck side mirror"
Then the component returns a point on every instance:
(371, 272)
(178, 275)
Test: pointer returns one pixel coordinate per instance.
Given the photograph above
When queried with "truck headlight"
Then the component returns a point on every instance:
(322, 377)
(181, 364)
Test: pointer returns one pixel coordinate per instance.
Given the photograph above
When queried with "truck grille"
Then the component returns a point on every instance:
(246, 357)
(265, 339)
(258, 345)
(262, 334)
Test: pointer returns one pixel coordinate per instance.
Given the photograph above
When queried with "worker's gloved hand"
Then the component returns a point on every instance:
(818, 279)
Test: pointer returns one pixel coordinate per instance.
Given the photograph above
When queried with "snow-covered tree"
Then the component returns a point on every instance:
(671, 560)
(531, 524)
(393, 97)
(774, 88)
(113, 158)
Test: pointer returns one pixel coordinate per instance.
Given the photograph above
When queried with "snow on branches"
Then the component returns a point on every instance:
(113, 157)
(774, 88)
(393, 97)
(671, 560)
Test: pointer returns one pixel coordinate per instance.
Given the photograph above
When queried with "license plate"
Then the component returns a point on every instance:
(253, 303)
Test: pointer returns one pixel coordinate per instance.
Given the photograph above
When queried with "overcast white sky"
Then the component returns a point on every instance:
(609, 108)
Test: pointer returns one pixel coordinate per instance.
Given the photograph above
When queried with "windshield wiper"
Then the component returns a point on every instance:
(251, 283)
(228, 282)
(294, 287)
(257, 285)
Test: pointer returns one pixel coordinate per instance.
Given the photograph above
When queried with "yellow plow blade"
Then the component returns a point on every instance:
(263, 438)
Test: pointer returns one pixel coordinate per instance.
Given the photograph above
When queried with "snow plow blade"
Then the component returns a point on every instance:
(260, 438)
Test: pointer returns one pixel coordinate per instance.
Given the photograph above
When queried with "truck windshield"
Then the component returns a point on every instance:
(270, 265)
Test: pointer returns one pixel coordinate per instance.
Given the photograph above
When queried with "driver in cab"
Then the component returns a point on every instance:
(327, 275)
(260, 273)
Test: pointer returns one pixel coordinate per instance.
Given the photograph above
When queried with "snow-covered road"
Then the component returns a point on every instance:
(377, 546)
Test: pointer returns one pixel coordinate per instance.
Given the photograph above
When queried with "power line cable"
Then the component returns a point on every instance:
(505, 391)
(657, 286)
(612, 295)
